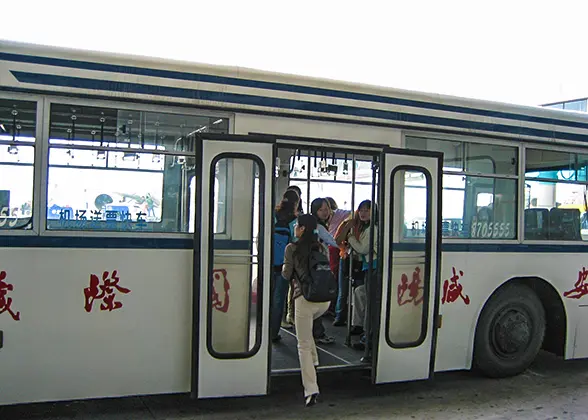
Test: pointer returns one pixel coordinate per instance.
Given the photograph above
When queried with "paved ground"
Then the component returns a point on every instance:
(551, 389)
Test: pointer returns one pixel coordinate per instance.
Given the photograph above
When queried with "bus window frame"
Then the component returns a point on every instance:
(426, 243)
(38, 145)
(259, 313)
(518, 144)
(44, 103)
(523, 179)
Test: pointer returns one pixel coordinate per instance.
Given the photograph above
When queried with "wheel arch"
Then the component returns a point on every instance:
(555, 314)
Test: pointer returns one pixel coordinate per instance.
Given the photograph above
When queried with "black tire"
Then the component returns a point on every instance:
(510, 332)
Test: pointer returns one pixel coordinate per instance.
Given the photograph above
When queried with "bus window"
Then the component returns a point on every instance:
(491, 159)
(452, 151)
(17, 158)
(122, 170)
(474, 174)
(235, 269)
(555, 195)
(332, 177)
(414, 209)
(406, 321)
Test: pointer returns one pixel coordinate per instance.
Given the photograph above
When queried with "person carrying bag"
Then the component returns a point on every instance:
(306, 265)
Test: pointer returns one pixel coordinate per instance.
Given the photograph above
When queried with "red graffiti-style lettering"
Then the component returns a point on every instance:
(452, 290)
(5, 301)
(220, 301)
(104, 291)
(580, 287)
(414, 289)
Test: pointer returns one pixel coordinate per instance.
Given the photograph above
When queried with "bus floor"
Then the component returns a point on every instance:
(333, 355)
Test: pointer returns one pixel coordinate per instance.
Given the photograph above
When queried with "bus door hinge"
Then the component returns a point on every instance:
(439, 320)
(1, 339)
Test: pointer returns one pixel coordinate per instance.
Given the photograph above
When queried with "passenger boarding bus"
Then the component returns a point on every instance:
(136, 220)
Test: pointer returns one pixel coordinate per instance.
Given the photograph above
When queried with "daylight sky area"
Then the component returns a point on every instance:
(516, 51)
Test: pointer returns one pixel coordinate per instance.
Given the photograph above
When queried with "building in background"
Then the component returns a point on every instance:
(573, 105)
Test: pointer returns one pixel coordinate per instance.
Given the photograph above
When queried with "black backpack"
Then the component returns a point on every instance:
(319, 283)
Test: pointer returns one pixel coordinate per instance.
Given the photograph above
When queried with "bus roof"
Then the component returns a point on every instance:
(537, 121)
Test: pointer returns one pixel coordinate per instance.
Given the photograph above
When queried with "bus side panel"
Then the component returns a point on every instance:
(480, 274)
(67, 345)
(249, 123)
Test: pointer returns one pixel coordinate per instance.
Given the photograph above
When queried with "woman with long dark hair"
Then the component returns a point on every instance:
(305, 312)
(355, 234)
(297, 189)
(285, 217)
(321, 210)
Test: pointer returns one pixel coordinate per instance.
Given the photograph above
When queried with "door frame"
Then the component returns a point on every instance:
(198, 255)
(374, 151)
(435, 278)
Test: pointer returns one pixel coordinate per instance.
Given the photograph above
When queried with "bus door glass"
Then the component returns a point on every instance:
(231, 267)
(411, 258)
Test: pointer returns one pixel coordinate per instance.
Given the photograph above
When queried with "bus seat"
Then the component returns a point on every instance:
(564, 224)
(536, 224)
(4, 199)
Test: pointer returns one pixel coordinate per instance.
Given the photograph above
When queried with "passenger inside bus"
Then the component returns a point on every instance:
(284, 219)
(299, 192)
(321, 210)
(288, 319)
(337, 217)
(347, 185)
(296, 262)
(354, 235)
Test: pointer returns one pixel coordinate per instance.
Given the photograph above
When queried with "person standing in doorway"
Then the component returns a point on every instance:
(284, 219)
(320, 209)
(338, 216)
(289, 318)
(299, 192)
(296, 266)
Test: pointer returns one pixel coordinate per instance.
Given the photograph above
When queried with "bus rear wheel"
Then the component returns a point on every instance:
(510, 332)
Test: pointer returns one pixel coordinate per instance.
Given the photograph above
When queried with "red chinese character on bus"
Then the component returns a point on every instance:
(220, 301)
(414, 288)
(6, 302)
(580, 287)
(104, 291)
(452, 290)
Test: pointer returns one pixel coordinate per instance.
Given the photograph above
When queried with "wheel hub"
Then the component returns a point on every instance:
(512, 332)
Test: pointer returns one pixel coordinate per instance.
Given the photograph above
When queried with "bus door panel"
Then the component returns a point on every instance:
(411, 257)
(232, 243)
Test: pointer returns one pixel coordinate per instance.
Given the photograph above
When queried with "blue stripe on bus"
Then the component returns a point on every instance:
(139, 242)
(104, 85)
(259, 84)
(120, 243)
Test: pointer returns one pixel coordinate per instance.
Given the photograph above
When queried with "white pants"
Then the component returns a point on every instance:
(359, 304)
(305, 313)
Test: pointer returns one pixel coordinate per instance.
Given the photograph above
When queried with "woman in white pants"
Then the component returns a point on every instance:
(305, 312)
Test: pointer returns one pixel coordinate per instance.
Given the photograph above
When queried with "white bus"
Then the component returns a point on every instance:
(136, 203)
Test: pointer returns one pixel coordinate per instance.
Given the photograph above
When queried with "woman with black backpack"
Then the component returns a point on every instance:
(284, 219)
(296, 267)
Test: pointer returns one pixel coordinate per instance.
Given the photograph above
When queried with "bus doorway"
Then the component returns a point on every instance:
(339, 180)
(396, 339)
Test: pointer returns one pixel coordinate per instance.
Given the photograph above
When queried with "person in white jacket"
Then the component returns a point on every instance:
(355, 234)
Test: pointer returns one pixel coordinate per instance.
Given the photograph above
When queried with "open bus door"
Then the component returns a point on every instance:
(232, 243)
(411, 265)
